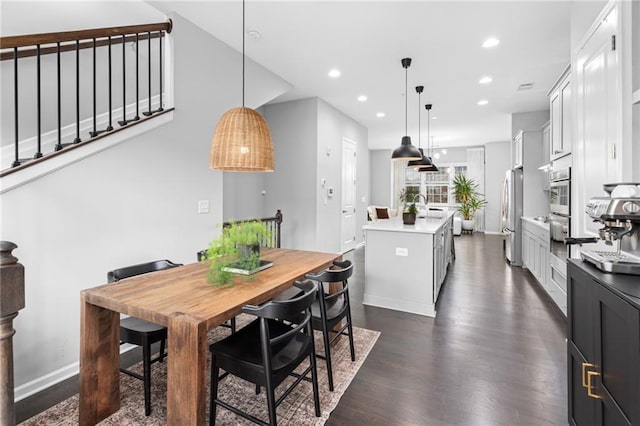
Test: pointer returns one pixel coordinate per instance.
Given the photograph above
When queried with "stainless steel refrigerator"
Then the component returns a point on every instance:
(511, 212)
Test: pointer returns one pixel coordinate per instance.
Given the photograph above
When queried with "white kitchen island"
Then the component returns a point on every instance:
(405, 265)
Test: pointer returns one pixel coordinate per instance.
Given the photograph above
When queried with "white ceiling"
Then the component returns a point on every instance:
(302, 40)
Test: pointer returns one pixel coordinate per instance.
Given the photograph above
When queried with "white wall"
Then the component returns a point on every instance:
(532, 120)
(132, 203)
(380, 171)
(304, 132)
(333, 126)
(497, 162)
(292, 186)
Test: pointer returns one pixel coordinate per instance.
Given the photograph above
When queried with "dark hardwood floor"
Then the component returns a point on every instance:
(494, 355)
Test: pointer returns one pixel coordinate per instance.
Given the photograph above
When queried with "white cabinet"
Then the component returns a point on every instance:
(535, 249)
(516, 151)
(546, 149)
(536, 258)
(441, 256)
(535, 202)
(599, 119)
(561, 134)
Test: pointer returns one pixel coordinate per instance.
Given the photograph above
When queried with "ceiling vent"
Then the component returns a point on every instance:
(525, 86)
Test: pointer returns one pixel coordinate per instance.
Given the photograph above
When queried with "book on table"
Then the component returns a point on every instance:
(241, 268)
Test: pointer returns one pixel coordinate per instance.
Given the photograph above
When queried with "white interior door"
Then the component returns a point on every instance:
(348, 195)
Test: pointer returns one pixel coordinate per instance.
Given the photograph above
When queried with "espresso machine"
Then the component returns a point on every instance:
(620, 215)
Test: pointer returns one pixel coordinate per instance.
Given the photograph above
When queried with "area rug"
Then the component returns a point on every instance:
(296, 409)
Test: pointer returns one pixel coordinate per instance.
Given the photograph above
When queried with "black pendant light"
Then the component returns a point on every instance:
(432, 166)
(406, 151)
(424, 161)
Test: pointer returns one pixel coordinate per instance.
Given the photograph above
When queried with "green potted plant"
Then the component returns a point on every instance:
(408, 197)
(466, 192)
(237, 246)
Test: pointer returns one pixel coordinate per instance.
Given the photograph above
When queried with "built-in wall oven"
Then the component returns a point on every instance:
(560, 210)
(559, 224)
(560, 191)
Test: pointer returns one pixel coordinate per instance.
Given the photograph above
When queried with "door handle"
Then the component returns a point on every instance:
(344, 211)
(591, 393)
(585, 365)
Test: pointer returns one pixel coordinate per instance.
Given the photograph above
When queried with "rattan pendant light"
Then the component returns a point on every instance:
(424, 161)
(406, 151)
(242, 139)
(432, 166)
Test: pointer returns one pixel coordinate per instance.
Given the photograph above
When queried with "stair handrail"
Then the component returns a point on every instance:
(9, 42)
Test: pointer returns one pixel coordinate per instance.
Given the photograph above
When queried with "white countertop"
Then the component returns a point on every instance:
(539, 223)
(427, 225)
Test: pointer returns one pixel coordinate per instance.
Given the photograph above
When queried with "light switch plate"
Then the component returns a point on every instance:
(203, 206)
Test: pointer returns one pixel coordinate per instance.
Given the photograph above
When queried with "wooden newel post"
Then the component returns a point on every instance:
(11, 301)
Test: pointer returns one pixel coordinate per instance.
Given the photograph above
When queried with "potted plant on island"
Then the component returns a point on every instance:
(466, 192)
(238, 246)
(408, 197)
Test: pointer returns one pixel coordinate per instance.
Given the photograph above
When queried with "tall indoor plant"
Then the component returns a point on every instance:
(470, 200)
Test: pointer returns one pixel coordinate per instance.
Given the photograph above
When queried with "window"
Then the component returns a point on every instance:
(438, 186)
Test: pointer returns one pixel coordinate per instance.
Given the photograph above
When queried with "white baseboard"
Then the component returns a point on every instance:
(41, 383)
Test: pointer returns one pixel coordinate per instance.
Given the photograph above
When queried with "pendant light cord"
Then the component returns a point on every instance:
(419, 131)
(405, 101)
(243, 31)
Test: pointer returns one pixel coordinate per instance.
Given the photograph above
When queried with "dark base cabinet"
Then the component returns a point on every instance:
(603, 348)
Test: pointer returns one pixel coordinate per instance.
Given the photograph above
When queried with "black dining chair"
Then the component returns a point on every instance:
(140, 332)
(268, 350)
(330, 309)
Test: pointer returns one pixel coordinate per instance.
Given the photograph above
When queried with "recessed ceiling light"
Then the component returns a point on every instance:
(483, 102)
(436, 155)
(491, 42)
(362, 98)
(334, 73)
(380, 114)
(485, 80)
(444, 151)
(434, 118)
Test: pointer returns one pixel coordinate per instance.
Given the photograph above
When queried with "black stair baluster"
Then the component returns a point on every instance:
(110, 126)
(95, 131)
(137, 117)
(124, 121)
(15, 99)
(77, 138)
(59, 145)
(160, 35)
(38, 153)
(160, 56)
(149, 112)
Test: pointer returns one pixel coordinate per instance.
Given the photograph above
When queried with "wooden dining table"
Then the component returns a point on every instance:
(181, 300)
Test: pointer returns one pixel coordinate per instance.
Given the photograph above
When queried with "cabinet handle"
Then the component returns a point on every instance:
(585, 365)
(591, 393)
(557, 151)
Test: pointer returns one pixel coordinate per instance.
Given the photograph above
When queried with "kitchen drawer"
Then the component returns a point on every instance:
(558, 295)
(556, 277)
